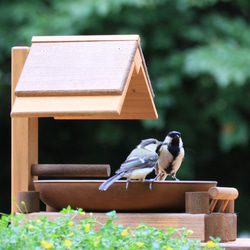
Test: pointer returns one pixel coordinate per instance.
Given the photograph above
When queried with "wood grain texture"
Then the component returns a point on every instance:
(223, 193)
(31, 199)
(83, 170)
(109, 81)
(24, 135)
(197, 202)
(46, 106)
(132, 220)
(77, 68)
(221, 225)
(138, 103)
(85, 38)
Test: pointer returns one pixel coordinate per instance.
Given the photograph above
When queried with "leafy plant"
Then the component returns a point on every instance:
(18, 232)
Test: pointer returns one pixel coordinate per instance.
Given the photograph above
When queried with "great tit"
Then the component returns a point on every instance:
(140, 162)
(171, 154)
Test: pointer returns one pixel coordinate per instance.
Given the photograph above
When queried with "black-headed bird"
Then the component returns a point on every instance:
(171, 154)
(140, 162)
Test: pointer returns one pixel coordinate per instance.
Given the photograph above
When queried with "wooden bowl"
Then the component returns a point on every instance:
(165, 196)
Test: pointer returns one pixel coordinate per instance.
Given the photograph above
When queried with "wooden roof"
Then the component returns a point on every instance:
(85, 77)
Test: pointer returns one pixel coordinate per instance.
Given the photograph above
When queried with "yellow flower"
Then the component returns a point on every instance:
(67, 243)
(71, 223)
(31, 227)
(167, 248)
(190, 232)
(139, 244)
(87, 227)
(71, 234)
(38, 221)
(46, 244)
(82, 213)
(210, 244)
(124, 232)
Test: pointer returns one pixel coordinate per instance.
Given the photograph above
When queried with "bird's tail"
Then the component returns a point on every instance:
(105, 185)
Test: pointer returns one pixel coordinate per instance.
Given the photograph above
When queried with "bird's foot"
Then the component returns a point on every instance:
(127, 183)
(150, 183)
(175, 178)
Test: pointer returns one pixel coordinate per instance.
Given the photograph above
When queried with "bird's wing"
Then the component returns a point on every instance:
(142, 153)
(135, 163)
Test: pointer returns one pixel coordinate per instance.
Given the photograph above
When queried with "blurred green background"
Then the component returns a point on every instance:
(198, 58)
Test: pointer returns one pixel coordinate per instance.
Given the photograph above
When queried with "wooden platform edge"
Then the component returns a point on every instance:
(159, 220)
(238, 244)
(196, 222)
(85, 38)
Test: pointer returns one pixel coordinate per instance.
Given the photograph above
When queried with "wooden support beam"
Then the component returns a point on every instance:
(217, 224)
(85, 38)
(197, 202)
(77, 170)
(24, 135)
(221, 225)
(31, 200)
(195, 222)
(224, 196)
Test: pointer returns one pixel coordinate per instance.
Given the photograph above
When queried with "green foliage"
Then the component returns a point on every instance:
(18, 232)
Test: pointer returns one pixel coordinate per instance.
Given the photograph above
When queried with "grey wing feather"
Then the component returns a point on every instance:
(135, 163)
(105, 185)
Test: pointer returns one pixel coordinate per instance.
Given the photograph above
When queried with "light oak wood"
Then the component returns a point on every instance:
(77, 68)
(196, 222)
(118, 87)
(238, 244)
(24, 140)
(45, 106)
(46, 89)
(202, 225)
(138, 103)
(85, 38)
(223, 193)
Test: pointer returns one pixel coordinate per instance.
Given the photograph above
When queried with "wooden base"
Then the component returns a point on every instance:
(238, 244)
(203, 225)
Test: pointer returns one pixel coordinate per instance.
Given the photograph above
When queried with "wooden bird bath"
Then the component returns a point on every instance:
(165, 196)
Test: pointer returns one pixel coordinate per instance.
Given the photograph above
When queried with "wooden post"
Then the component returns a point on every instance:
(222, 196)
(197, 202)
(221, 225)
(24, 135)
(31, 200)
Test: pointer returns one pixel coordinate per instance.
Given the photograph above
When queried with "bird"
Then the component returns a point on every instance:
(171, 154)
(139, 163)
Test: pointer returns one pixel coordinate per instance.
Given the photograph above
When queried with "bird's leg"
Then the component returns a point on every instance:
(174, 176)
(150, 182)
(128, 181)
(157, 176)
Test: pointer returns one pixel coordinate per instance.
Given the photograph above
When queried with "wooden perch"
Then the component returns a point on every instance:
(219, 193)
(70, 170)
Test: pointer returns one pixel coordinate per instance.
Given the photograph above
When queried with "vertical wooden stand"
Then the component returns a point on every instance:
(24, 140)
(108, 79)
(220, 221)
